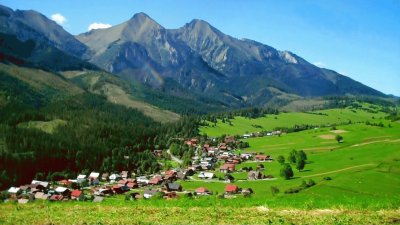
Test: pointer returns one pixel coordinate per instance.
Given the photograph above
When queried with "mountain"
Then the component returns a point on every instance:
(30, 39)
(204, 61)
(31, 25)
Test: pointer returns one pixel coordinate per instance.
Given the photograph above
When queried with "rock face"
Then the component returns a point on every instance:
(196, 60)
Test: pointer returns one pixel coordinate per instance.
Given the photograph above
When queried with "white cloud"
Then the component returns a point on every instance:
(320, 64)
(98, 26)
(60, 19)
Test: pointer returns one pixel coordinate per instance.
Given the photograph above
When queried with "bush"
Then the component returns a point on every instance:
(281, 159)
(274, 190)
(327, 178)
(293, 190)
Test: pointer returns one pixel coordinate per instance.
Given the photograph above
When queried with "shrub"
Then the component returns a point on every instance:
(281, 159)
(339, 138)
(311, 183)
(274, 190)
(327, 178)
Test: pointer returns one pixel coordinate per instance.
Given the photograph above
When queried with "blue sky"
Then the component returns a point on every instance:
(358, 38)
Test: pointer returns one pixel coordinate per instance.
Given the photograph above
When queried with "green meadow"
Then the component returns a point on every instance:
(241, 125)
(45, 126)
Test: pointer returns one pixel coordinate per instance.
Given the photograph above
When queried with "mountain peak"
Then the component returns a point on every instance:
(141, 16)
(142, 19)
(198, 23)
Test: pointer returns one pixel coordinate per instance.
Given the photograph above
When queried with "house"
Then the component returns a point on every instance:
(254, 175)
(56, 198)
(39, 185)
(142, 180)
(23, 201)
(231, 189)
(134, 196)
(170, 195)
(245, 136)
(157, 153)
(120, 189)
(263, 158)
(173, 187)
(81, 178)
(63, 191)
(229, 139)
(77, 195)
(206, 175)
(132, 184)
(41, 195)
(98, 199)
(25, 188)
(247, 191)
(94, 178)
(14, 190)
(223, 147)
(189, 172)
(149, 193)
(155, 181)
(202, 191)
(64, 183)
(104, 191)
(227, 168)
(125, 174)
(123, 183)
(181, 175)
(115, 177)
(170, 173)
(104, 176)
(246, 156)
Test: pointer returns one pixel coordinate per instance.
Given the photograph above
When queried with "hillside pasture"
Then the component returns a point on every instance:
(241, 125)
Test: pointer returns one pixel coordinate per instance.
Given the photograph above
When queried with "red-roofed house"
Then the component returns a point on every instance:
(202, 191)
(77, 195)
(122, 182)
(132, 185)
(56, 198)
(262, 158)
(64, 182)
(227, 168)
(155, 181)
(231, 189)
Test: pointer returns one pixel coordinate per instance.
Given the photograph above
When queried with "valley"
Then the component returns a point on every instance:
(136, 123)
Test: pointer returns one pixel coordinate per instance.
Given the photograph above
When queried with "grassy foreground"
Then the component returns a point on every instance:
(133, 213)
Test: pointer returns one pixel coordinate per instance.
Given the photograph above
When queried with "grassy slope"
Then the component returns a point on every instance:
(365, 168)
(40, 79)
(116, 94)
(241, 125)
(133, 213)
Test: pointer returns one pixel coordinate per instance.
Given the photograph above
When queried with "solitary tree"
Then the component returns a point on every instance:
(281, 159)
(286, 171)
(300, 164)
(301, 155)
(339, 138)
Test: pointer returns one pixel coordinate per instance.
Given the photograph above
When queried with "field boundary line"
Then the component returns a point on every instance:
(336, 171)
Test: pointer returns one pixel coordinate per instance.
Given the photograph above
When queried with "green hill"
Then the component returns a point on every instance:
(241, 125)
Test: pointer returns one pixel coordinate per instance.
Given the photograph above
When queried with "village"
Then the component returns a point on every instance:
(208, 161)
